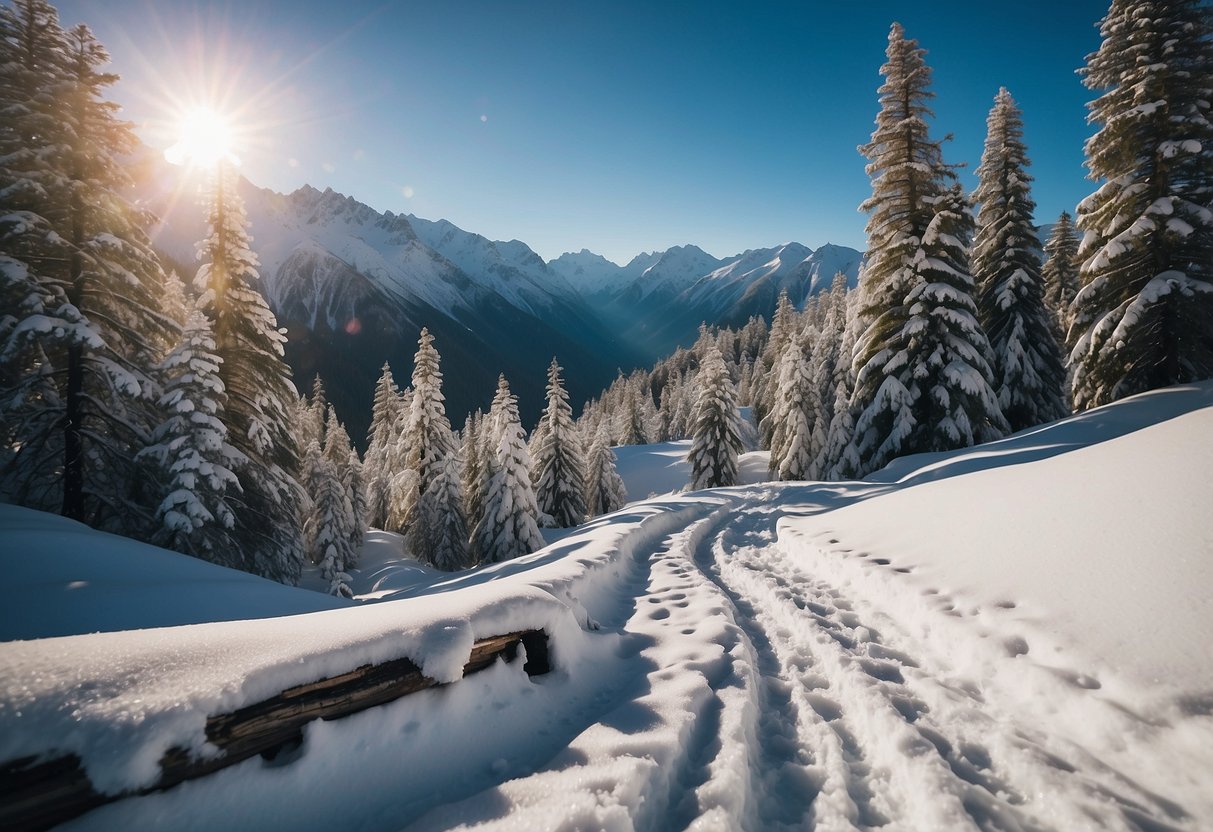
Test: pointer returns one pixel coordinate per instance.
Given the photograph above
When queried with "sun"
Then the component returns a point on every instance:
(205, 138)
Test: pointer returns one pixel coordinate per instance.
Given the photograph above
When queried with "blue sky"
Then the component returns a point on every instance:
(614, 126)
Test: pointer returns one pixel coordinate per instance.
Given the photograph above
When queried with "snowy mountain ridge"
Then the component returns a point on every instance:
(354, 285)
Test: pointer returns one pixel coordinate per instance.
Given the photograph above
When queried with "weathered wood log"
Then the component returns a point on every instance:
(38, 795)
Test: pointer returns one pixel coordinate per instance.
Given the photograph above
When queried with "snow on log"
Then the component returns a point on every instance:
(37, 793)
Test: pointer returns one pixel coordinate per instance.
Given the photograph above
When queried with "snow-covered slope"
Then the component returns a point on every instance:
(1012, 636)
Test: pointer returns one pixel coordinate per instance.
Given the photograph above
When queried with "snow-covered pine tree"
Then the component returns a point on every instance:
(340, 452)
(766, 380)
(716, 433)
(475, 467)
(922, 371)
(315, 414)
(259, 388)
(1144, 315)
(926, 381)
(559, 459)
(791, 454)
(824, 372)
(633, 430)
(175, 302)
(193, 457)
(1060, 274)
(605, 491)
(429, 433)
(1028, 369)
(355, 489)
(380, 437)
(838, 459)
(509, 527)
(81, 326)
(327, 527)
(440, 518)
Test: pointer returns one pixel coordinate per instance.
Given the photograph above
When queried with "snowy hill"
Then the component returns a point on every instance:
(1012, 636)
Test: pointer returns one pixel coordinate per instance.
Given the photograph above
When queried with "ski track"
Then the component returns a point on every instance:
(765, 698)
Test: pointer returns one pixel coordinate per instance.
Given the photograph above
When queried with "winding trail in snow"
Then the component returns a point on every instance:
(766, 698)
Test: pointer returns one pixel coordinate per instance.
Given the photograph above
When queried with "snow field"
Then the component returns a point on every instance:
(931, 649)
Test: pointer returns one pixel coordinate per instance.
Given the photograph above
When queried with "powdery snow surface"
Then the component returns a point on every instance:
(65, 578)
(1015, 636)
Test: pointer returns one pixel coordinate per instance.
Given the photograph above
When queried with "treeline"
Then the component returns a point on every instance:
(958, 333)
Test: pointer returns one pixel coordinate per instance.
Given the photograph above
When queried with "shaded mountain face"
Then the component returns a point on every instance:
(658, 300)
(354, 286)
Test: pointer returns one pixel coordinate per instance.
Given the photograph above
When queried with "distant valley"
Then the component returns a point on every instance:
(354, 286)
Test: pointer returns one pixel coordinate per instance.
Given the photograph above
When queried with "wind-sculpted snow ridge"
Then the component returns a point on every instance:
(1011, 637)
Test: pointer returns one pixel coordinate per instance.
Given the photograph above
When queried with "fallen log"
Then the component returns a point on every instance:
(38, 794)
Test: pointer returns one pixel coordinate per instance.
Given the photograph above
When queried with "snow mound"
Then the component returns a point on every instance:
(70, 579)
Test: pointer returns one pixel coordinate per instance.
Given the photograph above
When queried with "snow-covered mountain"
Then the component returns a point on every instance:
(659, 299)
(354, 286)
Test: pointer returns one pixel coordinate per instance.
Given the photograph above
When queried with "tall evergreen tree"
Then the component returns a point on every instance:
(560, 491)
(355, 489)
(716, 436)
(605, 491)
(791, 437)
(476, 467)
(441, 521)
(824, 371)
(428, 436)
(81, 325)
(327, 527)
(838, 459)
(1060, 274)
(195, 460)
(922, 372)
(509, 527)
(1144, 316)
(258, 383)
(766, 381)
(1027, 362)
(385, 409)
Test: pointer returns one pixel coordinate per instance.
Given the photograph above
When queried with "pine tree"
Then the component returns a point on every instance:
(634, 431)
(922, 371)
(1060, 274)
(355, 489)
(509, 527)
(81, 326)
(428, 436)
(767, 381)
(605, 491)
(1027, 362)
(824, 371)
(328, 523)
(384, 412)
(1144, 316)
(838, 459)
(791, 437)
(196, 461)
(258, 383)
(476, 468)
(716, 434)
(314, 416)
(441, 521)
(560, 491)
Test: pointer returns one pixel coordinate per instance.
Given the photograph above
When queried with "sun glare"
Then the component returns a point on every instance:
(205, 139)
